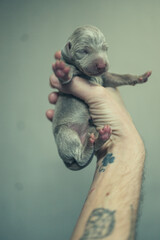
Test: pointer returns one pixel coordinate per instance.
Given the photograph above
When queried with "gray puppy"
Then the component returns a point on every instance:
(86, 55)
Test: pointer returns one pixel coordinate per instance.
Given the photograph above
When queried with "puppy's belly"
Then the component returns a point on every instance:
(81, 130)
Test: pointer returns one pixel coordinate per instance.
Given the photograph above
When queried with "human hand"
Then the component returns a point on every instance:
(105, 104)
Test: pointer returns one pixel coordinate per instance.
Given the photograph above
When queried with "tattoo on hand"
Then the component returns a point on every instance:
(100, 224)
(109, 158)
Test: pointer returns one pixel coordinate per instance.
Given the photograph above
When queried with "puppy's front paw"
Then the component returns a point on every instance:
(142, 78)
(62, 72)
(145, 77)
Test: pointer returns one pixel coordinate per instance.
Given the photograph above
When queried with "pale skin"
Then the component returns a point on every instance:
(111, 207)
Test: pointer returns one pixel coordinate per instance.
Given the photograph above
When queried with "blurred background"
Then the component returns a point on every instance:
(39, 197)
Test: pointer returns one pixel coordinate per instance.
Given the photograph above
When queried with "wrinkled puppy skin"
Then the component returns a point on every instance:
(76, 137)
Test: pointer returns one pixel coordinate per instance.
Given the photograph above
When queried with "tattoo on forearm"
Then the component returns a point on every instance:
(132, 226)
(100, 224)
(109, 158)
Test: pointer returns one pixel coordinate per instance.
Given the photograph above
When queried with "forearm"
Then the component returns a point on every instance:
(110, 210)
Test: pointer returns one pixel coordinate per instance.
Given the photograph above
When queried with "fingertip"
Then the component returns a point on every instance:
(52, 97)
(49, 114)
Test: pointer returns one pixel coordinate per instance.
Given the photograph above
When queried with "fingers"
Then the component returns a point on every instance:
(54, 82)
(52, 97)
(50, 114)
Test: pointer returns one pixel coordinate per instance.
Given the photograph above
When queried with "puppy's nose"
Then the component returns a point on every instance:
(101, 65)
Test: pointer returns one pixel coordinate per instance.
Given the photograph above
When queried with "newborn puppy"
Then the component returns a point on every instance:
(75, 135)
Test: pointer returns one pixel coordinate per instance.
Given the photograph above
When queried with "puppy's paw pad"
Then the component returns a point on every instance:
(105, 133)
(61, 71)
(92, 138)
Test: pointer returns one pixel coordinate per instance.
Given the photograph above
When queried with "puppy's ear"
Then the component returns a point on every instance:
(66, 52)
(68, 45)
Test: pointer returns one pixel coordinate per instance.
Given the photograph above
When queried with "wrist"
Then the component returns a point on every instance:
(129, 143)
(124, 158)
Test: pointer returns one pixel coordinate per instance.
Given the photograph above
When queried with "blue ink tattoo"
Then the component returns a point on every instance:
(100, 224)
(133, 225)
(109, 158)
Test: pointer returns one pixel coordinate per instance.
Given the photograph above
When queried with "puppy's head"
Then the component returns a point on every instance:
(87, 50)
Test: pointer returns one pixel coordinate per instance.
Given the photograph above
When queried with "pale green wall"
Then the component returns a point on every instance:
(39, 197)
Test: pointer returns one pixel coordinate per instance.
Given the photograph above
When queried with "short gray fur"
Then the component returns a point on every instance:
(86, 55)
